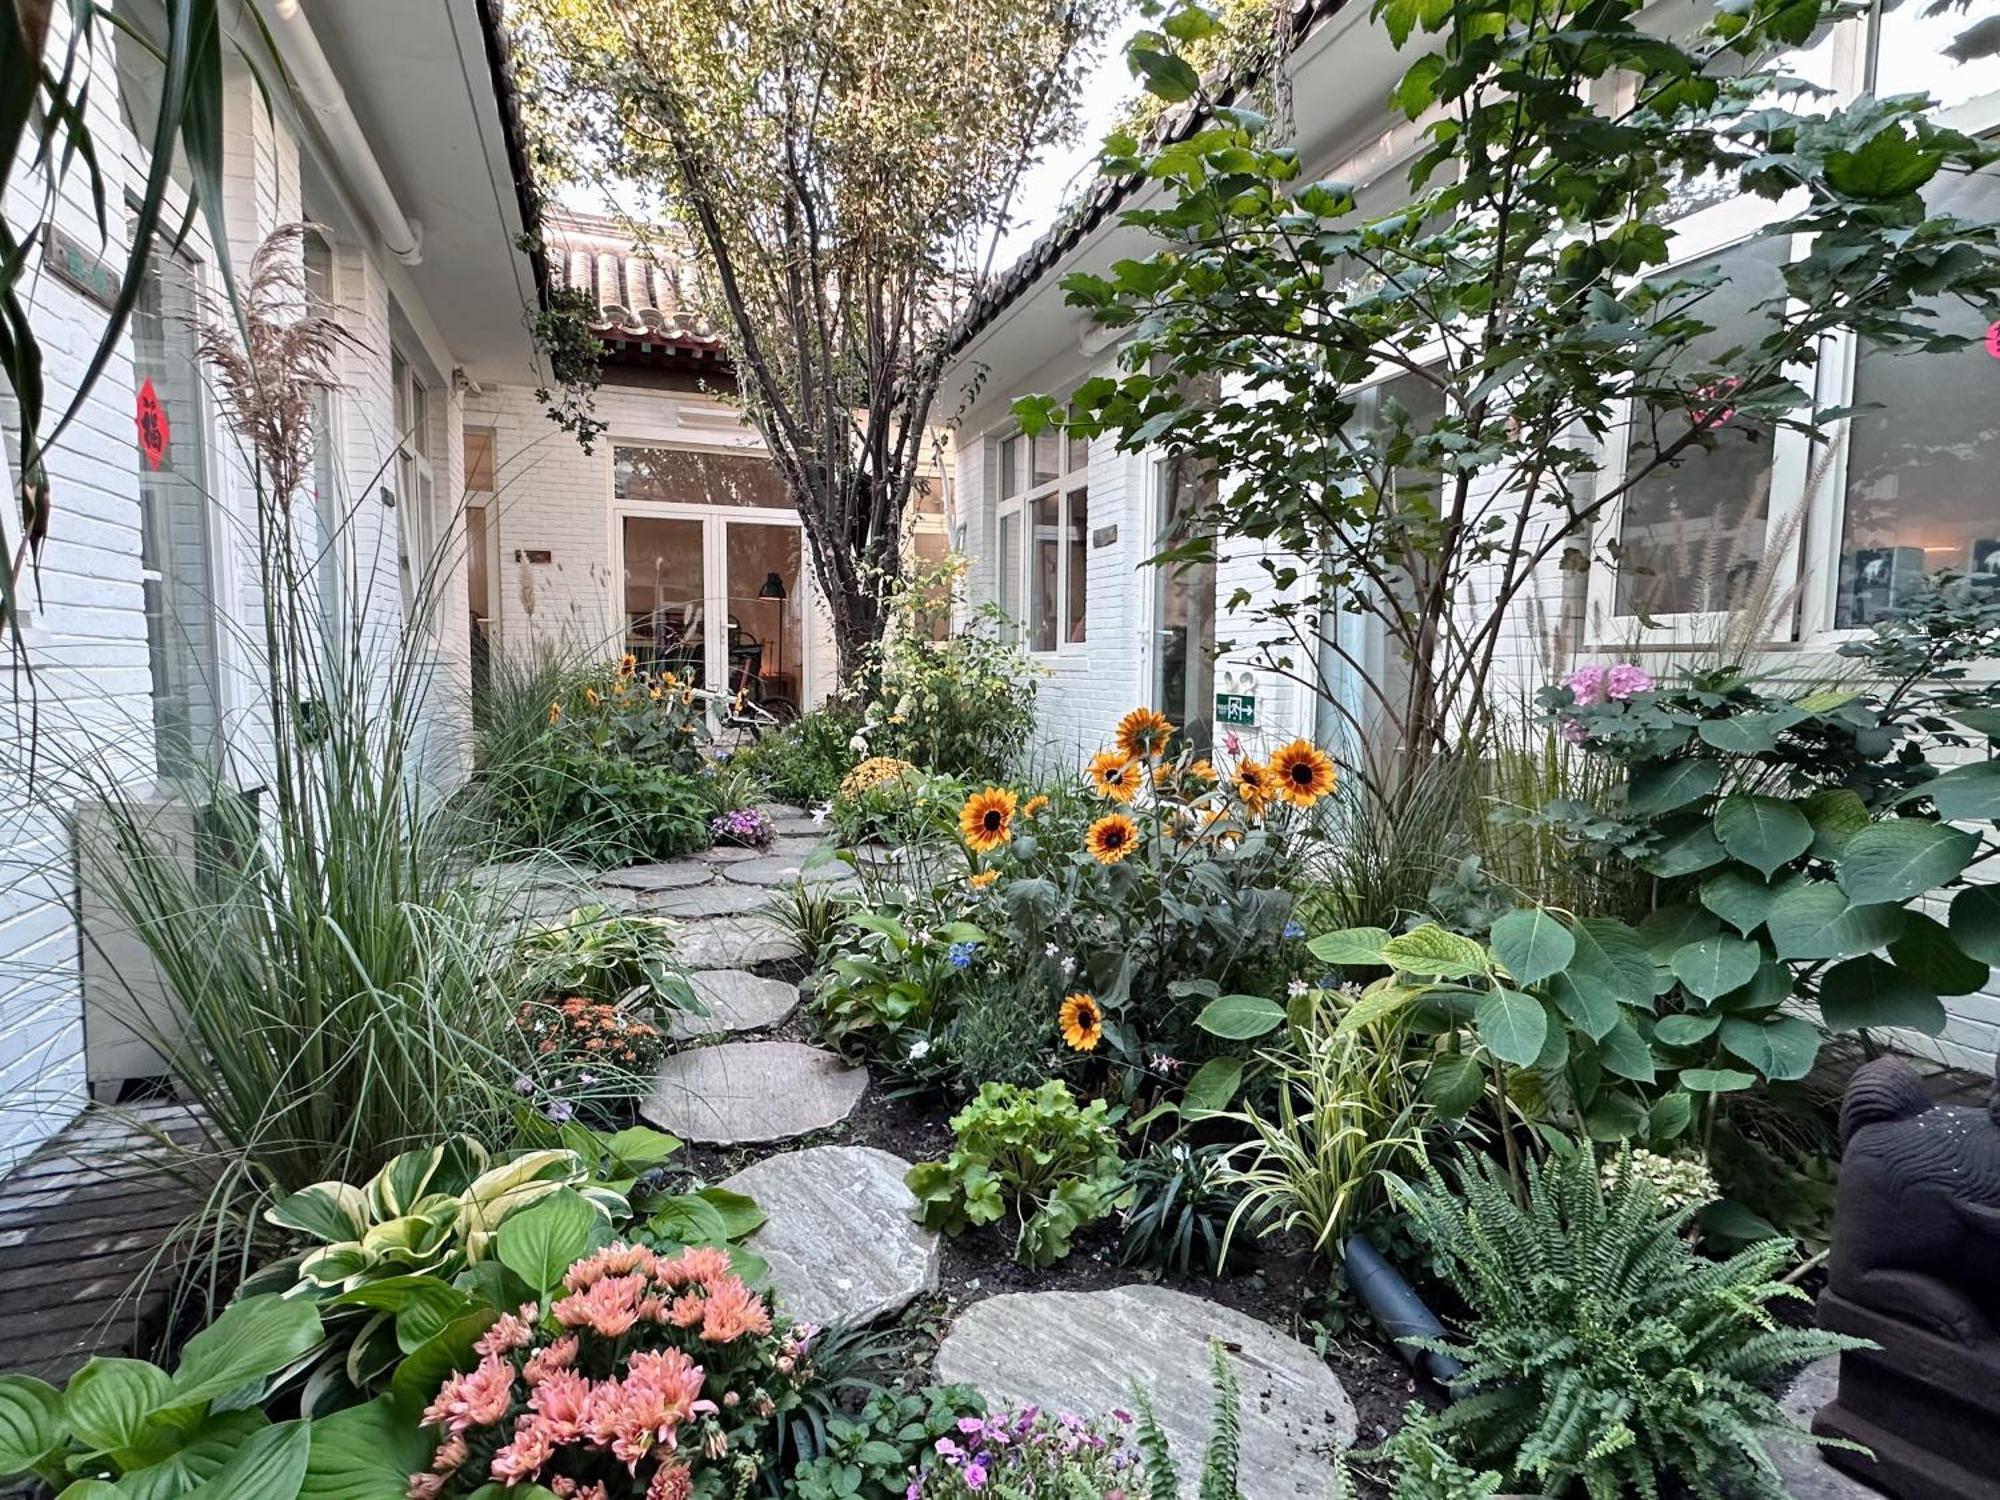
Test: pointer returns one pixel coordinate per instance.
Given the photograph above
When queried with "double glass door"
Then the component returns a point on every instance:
(718, 600)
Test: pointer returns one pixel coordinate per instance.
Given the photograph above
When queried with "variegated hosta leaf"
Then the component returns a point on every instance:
(337, 1265)
(331, 1212)
(400, 1184)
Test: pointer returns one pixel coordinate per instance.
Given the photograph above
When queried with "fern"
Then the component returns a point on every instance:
(1163, 1481)
(1603, 1354)
(1219, 1462)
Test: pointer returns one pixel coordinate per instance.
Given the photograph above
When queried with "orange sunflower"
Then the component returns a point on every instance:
(1111, 838)
(1201, 770)
(983, 879)
(987, 819)
(1082, 1023)
(1037, 803)
(1144, 732)
(1115, 775)
(1304, 773)
(1256, 787)
(627, 664)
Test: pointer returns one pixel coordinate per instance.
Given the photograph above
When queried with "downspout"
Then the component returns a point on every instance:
(319, 90)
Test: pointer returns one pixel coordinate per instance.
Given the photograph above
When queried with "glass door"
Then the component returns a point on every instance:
(1184, 609)
(764, 600)
(666, 595)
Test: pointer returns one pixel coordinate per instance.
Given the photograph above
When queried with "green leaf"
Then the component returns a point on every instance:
(739, 1211)
(1836, 815)
(638, 1149)
(1749, 733)
(1816, 920)
(1714, 966)
(1870, 992)
(1967, 793)
(1624, 1052)
(1670, 1116)
(1586, 1003)
(1239, 1018)
(541, 1242)
(330, 1212)
(1663, 786)
(1717, 1080)
(252, 1339)
(1214, 1084)
(1685, 1028)
(1416, 91)
(1614, 1117)
(1616, 957)
(1351, 947)
(1512, 1025)
(1975, 922)
(271, 1465)
(1454, 1084)
(365, 1453)
(688, 1219)
(1670, 927)
(197, 1459)
(1692, 850)
(92, 1489)
(1766, 833)
(422, 1305)
(423, 1370)
(1532, 944)
(1782, 1049)
(1164, 74)
(1739, 898)
(109, 1401)
(1891, 165)
(1902, 859)
(30, 1422)
(1927, 952)
(1436, 953)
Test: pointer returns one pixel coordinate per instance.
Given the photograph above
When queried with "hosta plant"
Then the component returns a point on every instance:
(1036, 1152)
(1601, 1353)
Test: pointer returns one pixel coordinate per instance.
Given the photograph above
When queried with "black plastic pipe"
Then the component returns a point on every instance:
(1397, 1309)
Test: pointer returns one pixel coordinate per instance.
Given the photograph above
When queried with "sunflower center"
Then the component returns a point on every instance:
(992, 820)
(1302, 774)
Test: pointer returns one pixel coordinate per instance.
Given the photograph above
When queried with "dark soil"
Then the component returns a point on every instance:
(1280, 1281)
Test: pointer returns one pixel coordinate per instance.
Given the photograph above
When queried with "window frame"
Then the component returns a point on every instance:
(413, 415)
(1065, 486)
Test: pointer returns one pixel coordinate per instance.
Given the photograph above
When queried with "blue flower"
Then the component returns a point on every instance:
(962, 955)
(1294, 930)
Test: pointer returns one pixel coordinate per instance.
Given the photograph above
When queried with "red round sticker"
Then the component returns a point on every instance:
(155, 431)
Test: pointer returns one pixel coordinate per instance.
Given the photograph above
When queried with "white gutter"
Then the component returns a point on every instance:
(320, 91)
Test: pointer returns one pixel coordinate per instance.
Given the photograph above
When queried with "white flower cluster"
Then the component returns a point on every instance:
(1681, 1181)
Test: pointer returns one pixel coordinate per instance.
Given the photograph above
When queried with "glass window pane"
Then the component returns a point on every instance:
(1047, 456)
(1944, 50)
(697, 476)
(1077, 548)
(1184, 608)
(181, 626)
(1079, 453)
(767, 637)
(1044, 557)
(329, 517)
(1422, 403)
(665, 614)
(1010, 467)
(1008, 564)
(1921, 494)
(478, 461)
(1694, 527)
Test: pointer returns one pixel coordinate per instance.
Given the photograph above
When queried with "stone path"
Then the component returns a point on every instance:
(1807, 1475)
(752, 1091)
(733, 943)
(839, 1239)
(1082, 1352)
(737, 1002)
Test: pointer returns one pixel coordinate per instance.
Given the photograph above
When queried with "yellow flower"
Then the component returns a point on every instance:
(655, 694)
(1256, 787)
(1111, 838)
(1115, 775)
(1144, 732)
(627, 664)
(987, 819)
(877, 770)
(555, 712)
(1037, 803)
(590, 697)
(1303, 771)
(983, 879)
(1201, 770)
(1082, 1023)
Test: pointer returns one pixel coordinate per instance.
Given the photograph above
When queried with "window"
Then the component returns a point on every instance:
(1184, 603)
(176, 551)
(1944, 50)
(1694, 527)
(416, 497)
(1041, 488)
(1920, 494)
(698, 476)
(330, 511)
(928, 553)
(481, 545)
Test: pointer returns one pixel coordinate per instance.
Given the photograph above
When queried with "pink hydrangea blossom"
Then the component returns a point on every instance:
(1587, 685)
(1625, 679)
(1573, 732)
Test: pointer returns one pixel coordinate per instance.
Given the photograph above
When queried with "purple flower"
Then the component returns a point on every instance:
(559, 1111)
(1625, 679)
(744, 825)
(1587, 684)
(1573, 732)
(915, 1491)
(971, 1426)
(975, 1475)
(524, 1085)
(949, 1451)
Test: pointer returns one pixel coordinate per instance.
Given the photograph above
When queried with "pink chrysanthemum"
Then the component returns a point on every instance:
(534, 1444)
(510, 1332)
(478, 1399)
(609, 1307)
(732, 1311)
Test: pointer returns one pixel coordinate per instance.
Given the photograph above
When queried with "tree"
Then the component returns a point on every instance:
(842, 171)
(1518, 298)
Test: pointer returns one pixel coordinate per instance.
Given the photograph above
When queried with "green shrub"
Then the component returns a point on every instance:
(1034, 1151)
(804, 761)
(1182, 1199)
(871, 1455)
(1601, 1352)
(1000, 1027)
(600, 954)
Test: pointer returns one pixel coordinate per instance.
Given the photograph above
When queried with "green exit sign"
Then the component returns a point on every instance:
(1235, 708)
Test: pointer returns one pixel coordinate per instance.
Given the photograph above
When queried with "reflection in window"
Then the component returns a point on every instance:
(1949, 49)
(697, 476)
(1044, 556)
(1008, 566)
(1076, 534)
(1921, 494)
(1184, 606)
(1694, 527)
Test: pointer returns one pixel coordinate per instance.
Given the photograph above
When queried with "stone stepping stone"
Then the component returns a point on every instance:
(733, 943)
(840, 1241)
(729, 854)
(787, 819)
(1082, 1352)
(752, 1091)
(673, 876)
(1806, 1473)
(717, 900)
(736, 1001)
(788, 869)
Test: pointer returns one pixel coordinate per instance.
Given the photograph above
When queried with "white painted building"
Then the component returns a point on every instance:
(1059, 531)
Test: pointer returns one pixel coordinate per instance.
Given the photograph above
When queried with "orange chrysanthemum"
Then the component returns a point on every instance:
(1303, 771)
(1037, 803)
(1144, 732)
(983, 879)
(1115, 775)
(1111, 838)
(987, 819)
(1256, 787)
(1082, 1023)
